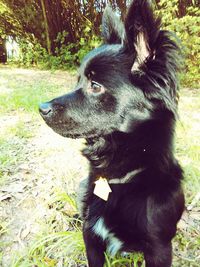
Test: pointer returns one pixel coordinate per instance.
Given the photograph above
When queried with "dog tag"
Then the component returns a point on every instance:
(102, 188)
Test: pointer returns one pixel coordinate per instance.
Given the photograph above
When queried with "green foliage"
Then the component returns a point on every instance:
(67, 56)
(74, 31)
(31, 53)
(87, 42)
(187, 28)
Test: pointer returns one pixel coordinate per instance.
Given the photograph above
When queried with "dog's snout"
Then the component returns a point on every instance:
(45, 108)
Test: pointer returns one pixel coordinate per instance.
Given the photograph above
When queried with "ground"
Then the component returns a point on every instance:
(40, 172)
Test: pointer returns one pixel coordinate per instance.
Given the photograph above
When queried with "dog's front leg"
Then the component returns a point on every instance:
(94, 249)
(81, 198)
(160, 255)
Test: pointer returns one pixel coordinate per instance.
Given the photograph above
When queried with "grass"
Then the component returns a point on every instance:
(188, 145)
(58, 239)
(20, 95)
(18, 100)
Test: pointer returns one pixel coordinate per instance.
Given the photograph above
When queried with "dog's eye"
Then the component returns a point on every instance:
(96, 88)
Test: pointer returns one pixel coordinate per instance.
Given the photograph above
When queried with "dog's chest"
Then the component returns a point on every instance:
(113, 243)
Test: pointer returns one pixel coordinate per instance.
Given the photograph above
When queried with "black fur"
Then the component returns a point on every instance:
(127, 118)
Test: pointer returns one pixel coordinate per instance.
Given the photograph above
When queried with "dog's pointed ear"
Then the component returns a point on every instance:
(142, 29)
(112, 27)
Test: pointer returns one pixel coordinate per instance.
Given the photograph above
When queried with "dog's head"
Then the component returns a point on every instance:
(124, 82)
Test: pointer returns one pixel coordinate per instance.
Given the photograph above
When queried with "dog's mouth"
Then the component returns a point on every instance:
(66, 126)
(78, 135)
(62, 127)
(70, 129)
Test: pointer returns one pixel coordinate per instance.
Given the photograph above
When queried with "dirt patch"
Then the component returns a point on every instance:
(36, 162)
(51, 162)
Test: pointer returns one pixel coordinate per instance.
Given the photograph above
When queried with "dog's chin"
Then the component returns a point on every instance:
(73, 134)
(76, 131)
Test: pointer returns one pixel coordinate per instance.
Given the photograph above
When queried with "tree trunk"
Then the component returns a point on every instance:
(48, 40)
(3, 51)
(122, 4)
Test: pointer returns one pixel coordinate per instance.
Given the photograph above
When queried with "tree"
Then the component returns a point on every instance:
(3, 52)
(63, 27)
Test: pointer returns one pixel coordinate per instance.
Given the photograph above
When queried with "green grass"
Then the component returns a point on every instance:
(187, 141)
(12, 146)
(58, 245)
(20, 94)
(66, 246)
(26, 96)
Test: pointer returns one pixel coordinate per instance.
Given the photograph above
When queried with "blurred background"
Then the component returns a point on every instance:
(58, 33)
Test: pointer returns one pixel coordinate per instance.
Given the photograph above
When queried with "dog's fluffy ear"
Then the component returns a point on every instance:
(112, 27)
(142, 29)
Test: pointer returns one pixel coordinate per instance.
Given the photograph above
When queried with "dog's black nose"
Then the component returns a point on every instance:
(45, 108)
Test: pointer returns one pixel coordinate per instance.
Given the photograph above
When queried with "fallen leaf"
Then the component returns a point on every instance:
(25, 232)
(5, 197)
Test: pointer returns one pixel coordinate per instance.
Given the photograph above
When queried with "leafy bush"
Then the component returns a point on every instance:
(187, 28)
(31, 53)
(67, 55)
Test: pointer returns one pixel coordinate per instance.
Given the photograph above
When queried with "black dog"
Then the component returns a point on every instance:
(125, 106)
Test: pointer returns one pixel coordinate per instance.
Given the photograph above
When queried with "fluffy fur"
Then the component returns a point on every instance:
(125, 106)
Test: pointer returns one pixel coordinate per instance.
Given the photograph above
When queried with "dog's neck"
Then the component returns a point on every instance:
(116, 155)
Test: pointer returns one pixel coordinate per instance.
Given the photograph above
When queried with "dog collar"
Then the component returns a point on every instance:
(102, 188)
(129, 176)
